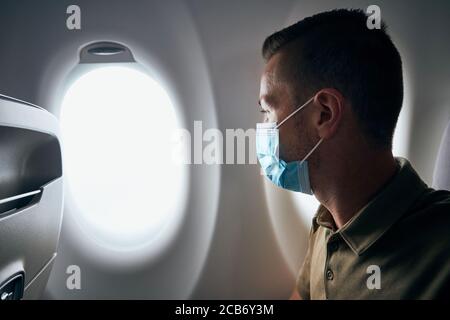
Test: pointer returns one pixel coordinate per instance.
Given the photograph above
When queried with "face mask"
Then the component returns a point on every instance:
(292, 176)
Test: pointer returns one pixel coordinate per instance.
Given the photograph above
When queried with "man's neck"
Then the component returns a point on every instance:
(353, 184)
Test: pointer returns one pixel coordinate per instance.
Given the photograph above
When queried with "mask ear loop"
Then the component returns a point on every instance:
(295, 112)
(311, 152)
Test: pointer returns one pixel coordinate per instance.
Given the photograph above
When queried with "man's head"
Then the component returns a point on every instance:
(354, 73)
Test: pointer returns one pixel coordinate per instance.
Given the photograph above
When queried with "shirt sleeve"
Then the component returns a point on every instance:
(303, 278)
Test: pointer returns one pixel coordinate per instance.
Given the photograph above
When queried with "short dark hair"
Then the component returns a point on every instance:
(336, 49)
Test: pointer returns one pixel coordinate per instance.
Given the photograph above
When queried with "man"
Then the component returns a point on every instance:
(331, 94)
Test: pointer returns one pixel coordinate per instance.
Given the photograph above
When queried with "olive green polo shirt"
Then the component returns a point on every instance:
(396, 247)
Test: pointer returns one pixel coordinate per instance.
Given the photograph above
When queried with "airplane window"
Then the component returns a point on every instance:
(117, 124)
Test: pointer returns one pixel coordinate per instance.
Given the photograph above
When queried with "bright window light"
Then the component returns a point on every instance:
(117, 125)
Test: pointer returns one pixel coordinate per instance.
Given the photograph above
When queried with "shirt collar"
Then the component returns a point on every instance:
(372, 221)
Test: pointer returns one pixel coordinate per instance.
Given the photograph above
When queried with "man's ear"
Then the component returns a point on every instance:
(331, 108)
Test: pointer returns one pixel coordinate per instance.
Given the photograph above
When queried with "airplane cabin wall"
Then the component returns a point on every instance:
(209, 53)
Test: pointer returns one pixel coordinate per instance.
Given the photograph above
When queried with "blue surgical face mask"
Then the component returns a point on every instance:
(292, 176)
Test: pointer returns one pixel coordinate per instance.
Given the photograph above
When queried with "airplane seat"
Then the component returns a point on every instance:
(31, 196)
(441, 177)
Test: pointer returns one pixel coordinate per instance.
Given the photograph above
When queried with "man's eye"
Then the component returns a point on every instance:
(263, 111)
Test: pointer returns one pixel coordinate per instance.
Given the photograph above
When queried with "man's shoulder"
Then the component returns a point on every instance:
(433, 201)
(430, 212)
